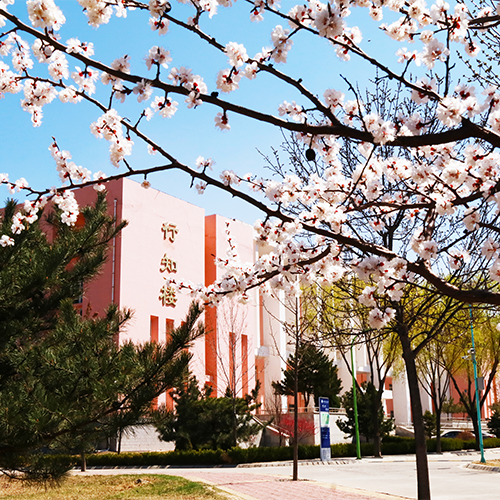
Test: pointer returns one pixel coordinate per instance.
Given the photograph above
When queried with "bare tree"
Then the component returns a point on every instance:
(230, 346)
(299, 330)
(460, 370)
(434, 378)
(344, 325)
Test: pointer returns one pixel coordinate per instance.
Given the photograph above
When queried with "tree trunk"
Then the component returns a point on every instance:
(423, 483)
(295, 474)
(438, 430)
(377, 444)
(235, 421)
(475, 424)
(470, 407)
(119, 447)
(83, 461)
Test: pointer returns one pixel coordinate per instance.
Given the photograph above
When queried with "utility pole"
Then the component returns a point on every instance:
(478, 406)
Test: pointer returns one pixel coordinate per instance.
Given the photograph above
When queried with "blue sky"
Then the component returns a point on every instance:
(190, 133)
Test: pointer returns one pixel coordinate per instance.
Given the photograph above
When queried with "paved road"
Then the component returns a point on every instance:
(450, 478)
(368, 479)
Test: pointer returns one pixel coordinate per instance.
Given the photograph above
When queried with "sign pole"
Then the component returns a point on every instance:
(478, 404)
(355, 401)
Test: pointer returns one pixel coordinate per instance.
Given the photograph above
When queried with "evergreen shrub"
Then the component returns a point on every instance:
(392, 445)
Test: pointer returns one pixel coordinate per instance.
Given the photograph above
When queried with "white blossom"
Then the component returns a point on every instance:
(221, 122)
(471, 219)
(6, 241)
(157, 7)
(490, 248)
(159, 56)
(228, 80)
(367, 297)
(450, 110)
(45, 14)
(237, 54)
(293, 110)
(143, 90)
(378, 319)
(69, 206)
(165, 106)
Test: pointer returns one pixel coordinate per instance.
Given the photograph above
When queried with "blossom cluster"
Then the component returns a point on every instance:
(333, 202)
(27, 215)
(109, 127)
(68, 170)
(327, 221)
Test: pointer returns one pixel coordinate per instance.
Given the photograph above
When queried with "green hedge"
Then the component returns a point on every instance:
(392, 445)
(201, 457)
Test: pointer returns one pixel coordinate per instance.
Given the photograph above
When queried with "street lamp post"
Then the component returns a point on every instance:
(354, 400)
(478, 408)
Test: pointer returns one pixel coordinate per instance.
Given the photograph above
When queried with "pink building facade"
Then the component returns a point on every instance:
(167, 237)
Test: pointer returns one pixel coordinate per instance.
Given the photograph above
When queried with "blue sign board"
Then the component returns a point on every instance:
(325, 437)
(324, 422)
(324, 405)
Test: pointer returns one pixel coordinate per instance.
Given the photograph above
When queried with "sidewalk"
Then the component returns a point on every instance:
(269, 487)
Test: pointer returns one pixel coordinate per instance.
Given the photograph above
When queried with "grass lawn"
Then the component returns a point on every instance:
(124, 487)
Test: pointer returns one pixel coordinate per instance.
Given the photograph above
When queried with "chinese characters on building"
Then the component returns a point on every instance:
(168, 264)
(169, 231)
(168, 295)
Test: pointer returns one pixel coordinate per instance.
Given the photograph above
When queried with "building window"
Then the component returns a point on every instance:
(153, 329)
(169, 328)
(153, 335)
(244, 364)
(232, 363)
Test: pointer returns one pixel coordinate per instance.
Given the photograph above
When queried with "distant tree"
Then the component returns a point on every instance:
(344, 324)
(318, 376)
(494, 423)
(430, 424)
(305, 427)
(368, 404)
(234, 367)
(274, 407)
(200, 421)
(233, 362)
(434, 377)
(452, 407)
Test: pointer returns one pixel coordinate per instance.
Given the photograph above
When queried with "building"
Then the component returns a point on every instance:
(167, 237)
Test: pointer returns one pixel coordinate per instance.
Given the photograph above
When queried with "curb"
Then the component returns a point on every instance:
(486, 468)
(301, 462)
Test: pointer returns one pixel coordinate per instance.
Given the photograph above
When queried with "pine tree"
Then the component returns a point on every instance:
(368, 405)
(64, 380)
(318, 376)
(494, 423)
(202, 421)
